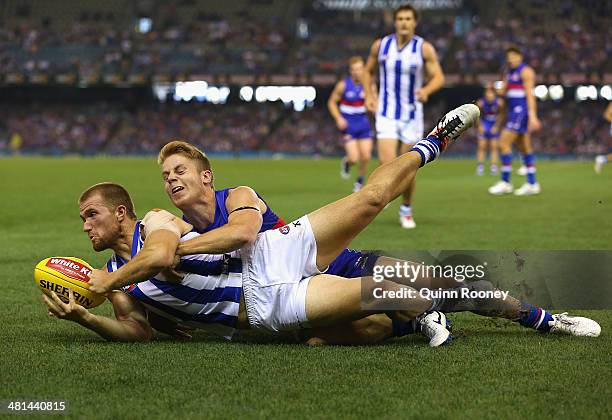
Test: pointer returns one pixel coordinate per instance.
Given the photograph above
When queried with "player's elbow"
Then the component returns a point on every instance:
(161, 259)
(246, 237)
(441, 79)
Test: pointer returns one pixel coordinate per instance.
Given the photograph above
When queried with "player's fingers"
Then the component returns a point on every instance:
(49, 302)
(53, 309)
(71, 300)
(62, 306)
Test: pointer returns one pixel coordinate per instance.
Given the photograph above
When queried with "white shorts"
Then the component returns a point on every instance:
(408, 132)
(276, 271)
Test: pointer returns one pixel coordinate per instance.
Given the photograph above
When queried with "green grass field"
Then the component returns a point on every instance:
(494, 369)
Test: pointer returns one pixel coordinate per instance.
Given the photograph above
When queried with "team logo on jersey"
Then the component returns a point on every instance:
(350, 94)
(284, 229)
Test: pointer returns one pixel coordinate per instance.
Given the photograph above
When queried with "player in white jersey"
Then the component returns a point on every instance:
(601, 160)
(409, 72)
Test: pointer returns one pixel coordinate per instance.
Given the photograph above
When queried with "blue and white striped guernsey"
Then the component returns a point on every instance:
(401, 74)
(209, 300)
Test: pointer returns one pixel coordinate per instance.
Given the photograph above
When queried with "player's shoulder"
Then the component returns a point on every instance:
(527, 70)
(242, 195)
(376, 45)
(241, 189)
(427, 48)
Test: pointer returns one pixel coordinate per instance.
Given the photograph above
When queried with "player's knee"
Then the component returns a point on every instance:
(375, 196)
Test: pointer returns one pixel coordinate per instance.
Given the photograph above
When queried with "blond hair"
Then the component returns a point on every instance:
(186, 149)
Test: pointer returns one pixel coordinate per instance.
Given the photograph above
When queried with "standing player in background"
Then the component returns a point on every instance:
(601, 160)
(522, 120)
(406, 61)
(488, 130)
(352, 121)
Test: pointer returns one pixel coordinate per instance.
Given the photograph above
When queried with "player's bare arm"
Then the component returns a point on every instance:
(130, 324)
(502, 116)
(332, 105)
(433, 70)
(162, 233)
(245, 211)
(528, 76)
(369, 87)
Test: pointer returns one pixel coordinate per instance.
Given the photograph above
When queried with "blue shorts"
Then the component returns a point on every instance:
(488, 130)
(351, 264)
(518, 120)
(358, 128)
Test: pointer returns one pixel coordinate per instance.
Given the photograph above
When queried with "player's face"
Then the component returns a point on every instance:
(489, 94)
(514, 59)
(356, 70)
(99, 223)
(184, 182)
(405, 23)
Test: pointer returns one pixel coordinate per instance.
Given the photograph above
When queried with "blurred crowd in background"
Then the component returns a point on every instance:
(568, 128)
(271, 37)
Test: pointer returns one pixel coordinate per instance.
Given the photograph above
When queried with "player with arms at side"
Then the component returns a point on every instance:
(522, 120)
(352, 121)
(491, 107)
(601, 160)
(409, 72)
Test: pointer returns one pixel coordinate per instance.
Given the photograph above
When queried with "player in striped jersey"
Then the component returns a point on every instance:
(488, 128)
(352, 121)
(409, 72)
(522, 120)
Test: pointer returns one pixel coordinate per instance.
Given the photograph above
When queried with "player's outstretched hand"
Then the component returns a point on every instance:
(100, 281)
(71, 311)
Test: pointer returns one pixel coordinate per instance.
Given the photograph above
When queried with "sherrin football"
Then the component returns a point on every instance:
(58, 274)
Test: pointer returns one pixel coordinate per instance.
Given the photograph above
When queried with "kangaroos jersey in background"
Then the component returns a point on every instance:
(401, 75)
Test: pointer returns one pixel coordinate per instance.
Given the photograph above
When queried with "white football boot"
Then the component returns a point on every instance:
(454, 123)
(501, 188)
(574, 325)
(407, 222)
(522, 171)
(436, 327)
(600, 161)
(528, 189)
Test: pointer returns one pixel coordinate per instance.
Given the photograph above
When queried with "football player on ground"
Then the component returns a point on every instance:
(261, 290)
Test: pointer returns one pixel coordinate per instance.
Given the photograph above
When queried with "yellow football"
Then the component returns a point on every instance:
(58, 274)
